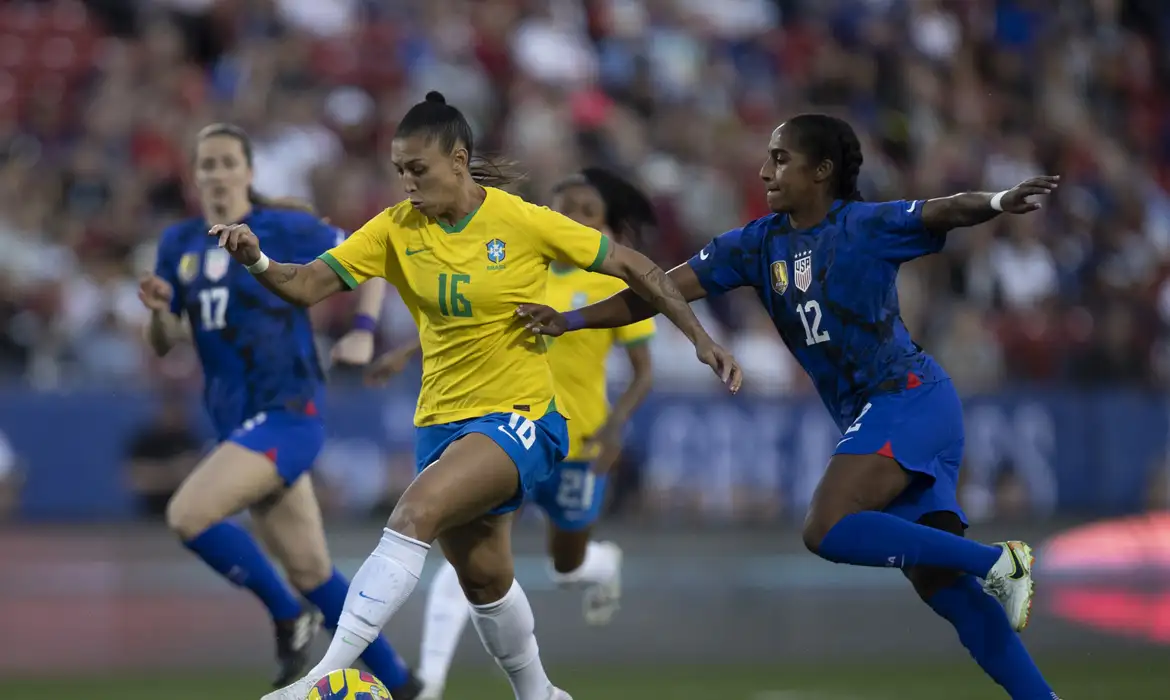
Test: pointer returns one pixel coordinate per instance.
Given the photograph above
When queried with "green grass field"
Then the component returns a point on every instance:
(1089, 677)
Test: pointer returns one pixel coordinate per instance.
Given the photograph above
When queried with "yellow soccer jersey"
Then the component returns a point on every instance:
(578, 358)
(462, 285)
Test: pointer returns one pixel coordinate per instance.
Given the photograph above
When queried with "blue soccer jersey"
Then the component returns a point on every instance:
(831, 293)
(257, 351)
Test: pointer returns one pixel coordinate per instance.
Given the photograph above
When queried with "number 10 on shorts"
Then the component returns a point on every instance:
(520, 429)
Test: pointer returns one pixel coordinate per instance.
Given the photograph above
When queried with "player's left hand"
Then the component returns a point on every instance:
(239, 241)
(609, 445)
(1015, 200)
(723, 362)
(387, 366)
(355, 348)
(542, 320)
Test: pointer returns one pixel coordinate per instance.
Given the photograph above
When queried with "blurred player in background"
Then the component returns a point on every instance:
(825, 266)
(263, 386)
(572, 498)
(462, 255)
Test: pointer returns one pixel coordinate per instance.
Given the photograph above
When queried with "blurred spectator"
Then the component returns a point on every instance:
(11, 480)
(160, 455)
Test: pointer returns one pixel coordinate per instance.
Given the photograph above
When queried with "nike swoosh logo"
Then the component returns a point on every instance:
(417, 251)
(505, 432)
(913, 206)
(844, 440)
(1017, 567)
(703, 254)
(362, 594)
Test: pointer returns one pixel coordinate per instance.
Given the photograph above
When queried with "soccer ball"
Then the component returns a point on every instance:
(349, 684)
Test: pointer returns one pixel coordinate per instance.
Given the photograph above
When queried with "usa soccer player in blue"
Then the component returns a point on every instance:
(263, 391)
(825, 264)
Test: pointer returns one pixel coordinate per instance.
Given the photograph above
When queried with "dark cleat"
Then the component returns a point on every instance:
(410, 690)
(293, 639)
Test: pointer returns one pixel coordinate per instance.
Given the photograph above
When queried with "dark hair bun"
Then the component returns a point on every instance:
(437, 97)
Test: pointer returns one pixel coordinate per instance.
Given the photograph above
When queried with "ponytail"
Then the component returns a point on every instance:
(291, 203)
(495, 172)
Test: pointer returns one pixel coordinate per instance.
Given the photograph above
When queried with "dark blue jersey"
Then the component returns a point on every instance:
(831, 292)
(257, 351)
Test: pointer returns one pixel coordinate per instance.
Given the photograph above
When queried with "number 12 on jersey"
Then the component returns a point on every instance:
(810, 317)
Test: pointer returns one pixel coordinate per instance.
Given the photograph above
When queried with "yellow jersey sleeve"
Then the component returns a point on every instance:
(560, 238)
(635, 333)
(365, 254)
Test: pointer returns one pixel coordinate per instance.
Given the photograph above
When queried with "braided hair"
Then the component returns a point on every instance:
(436, 119)
(628, 212)
(821, 137)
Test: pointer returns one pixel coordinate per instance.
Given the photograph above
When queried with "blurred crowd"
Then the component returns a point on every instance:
(99, 101)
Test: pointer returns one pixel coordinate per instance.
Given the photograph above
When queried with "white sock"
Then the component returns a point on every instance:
(376, 592)
(600, 565)
(446, 615)
(508, 631)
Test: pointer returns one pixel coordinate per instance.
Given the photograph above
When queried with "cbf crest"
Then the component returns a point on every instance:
(780, 276)
(802, 266)
(188, 267)
(215, 264)
(497, 250)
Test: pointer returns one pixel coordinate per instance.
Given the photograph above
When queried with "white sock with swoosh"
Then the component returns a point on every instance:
(377, 590)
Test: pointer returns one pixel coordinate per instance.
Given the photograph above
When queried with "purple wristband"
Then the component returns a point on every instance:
(574, 321)
(364, 322)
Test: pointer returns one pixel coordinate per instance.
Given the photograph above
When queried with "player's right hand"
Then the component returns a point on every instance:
(542, 320)
(155, 293)
(239, 241)
(721, 361)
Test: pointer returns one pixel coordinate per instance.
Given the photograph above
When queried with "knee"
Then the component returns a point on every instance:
(308, 571)
(929, 581)
(482, 586)
(186, 519)
(416, 518)
(817, 524)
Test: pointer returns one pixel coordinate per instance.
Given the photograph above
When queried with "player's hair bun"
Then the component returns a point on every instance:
(436, 97)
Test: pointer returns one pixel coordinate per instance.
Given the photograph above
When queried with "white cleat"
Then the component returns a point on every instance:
(1010, 582)
(299, 690)
(602, 600)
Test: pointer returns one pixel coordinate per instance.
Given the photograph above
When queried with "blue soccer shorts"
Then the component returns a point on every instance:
(921, 428)
(292, 440)
(535, 446)
(572, 496)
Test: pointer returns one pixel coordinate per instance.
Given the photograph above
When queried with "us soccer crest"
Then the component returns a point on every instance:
(215, 264)
(188, 267)
(780, 276)
(496, 251)
(802, 266)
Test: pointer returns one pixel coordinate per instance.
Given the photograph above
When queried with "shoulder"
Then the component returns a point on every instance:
(181, 233)
(400, 216)
(753, 233)
(876, 214)
(514, 208)
(292, 219)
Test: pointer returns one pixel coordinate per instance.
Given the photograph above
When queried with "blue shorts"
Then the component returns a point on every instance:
(921, 428)
(534, 446)
(291, 440)
(572, 496)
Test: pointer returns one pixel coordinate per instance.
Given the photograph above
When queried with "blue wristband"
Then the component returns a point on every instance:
(364, 322)
(574, 321)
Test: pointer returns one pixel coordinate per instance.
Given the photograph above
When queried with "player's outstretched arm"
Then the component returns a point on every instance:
(303, 285)
(357, 346)
(973, 208)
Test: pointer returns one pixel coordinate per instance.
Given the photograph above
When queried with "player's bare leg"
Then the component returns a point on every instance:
(473, 476)
(229, 480)
(481, 554)
(579, 561)
(845, 525)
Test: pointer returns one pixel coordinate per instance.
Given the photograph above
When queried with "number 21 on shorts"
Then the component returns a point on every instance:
(520, 429)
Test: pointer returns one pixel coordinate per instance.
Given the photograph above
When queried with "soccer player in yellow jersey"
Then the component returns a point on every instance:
(464, 257)
(573, 495)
